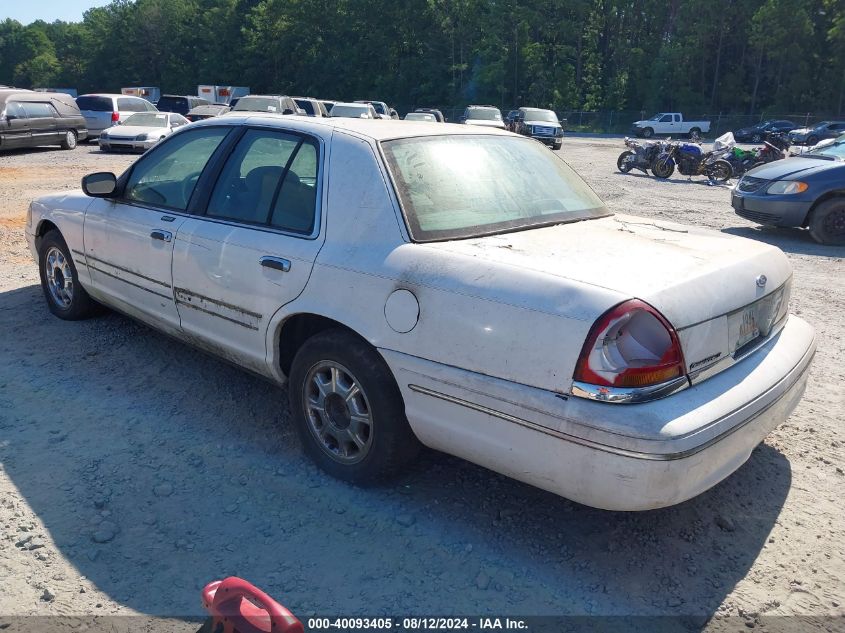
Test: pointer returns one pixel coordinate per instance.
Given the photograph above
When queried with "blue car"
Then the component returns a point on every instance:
(806, 191)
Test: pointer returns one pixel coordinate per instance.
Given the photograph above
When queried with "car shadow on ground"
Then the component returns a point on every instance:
(791, 240)
(155, 469)
(677, 180)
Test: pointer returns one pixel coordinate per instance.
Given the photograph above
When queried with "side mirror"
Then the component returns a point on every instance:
(101, 184)
(287, 111)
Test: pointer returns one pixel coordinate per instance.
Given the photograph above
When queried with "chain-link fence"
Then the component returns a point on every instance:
(619, 121)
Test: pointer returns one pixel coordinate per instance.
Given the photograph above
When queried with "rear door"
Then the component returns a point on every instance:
(42, 123)
(14, 129)
(254, 249)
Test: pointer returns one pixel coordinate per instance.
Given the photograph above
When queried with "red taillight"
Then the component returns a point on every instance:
(631, 345)
(115, 117)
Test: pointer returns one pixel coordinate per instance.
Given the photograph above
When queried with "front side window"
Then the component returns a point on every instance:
(453, 187)
(14, 109)
(167, 177)
(270, 178)
(666, 119)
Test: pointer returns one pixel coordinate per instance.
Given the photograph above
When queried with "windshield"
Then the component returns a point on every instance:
(419, 116)
(147, 119)
(834, 150)
(257, 104)
(656, 116)
(821, 125)
(453, 187)
(484, 114)
(541, 115)
(351, 111)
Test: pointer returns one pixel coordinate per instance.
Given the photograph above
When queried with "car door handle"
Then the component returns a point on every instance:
(276, 263)
(164, 236)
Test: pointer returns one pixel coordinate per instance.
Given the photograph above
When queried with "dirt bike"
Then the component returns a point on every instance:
(639, 155)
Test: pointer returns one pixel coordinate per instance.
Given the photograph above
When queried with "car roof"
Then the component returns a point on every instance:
(375, 129)
(110, 94)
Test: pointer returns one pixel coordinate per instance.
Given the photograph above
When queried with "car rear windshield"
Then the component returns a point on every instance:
(353, 111)
(166, 103)
(484, 114)
(257, 104)
(96, 104)
(453, 187)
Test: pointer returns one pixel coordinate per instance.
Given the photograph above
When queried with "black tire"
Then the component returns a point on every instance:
(812, 140)
(70, 140)
(695, 134)
(721, 171)
(827, 222)
(80, 305)
(623, 163)
(756, 138)
(558, 145)
(662, 169)
(390, 443)
(648, 132)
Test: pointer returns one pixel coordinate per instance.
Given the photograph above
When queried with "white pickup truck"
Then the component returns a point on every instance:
(671, 124)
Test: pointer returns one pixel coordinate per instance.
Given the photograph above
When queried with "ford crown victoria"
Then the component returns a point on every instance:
(411, 288)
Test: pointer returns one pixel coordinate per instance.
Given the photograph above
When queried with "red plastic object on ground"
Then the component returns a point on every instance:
(240, 607)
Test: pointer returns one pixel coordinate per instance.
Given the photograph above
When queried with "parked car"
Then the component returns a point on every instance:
(327, 104)
(433, 294)
(437, 113)
(758, 133)
(141, 131)
(483, 116)
(354, 111)
(32, 119)
(539, 124)
(671, 124)
(510, 120)
(311, 106)
(277, 104)
(805, 191)
(180, 104)
(383, 110)
(421, 116)
(102, 111)
(207, 112)
(816, 133)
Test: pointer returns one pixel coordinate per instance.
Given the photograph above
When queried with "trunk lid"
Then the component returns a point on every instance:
(699, 279)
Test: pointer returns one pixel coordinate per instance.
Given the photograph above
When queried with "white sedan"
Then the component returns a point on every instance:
(141, 131)
(412, 287)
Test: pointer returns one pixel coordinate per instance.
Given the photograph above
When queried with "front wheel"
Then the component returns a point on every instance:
(348, 409)
(625, 162)
(756, 138)
(648, 132)
(827, 222)
(59, 281)
(69, 141)
(663, 168)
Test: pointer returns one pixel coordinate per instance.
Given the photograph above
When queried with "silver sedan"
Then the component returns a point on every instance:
(141, 131)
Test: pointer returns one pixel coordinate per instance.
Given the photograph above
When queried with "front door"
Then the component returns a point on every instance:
(128, 241)
(253, 250)
(15, 127)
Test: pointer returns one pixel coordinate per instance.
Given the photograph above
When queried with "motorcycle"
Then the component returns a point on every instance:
(691, 160)
(774, 148)
(639, 155)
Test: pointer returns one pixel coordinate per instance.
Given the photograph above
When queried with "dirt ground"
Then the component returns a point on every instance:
(134, 469)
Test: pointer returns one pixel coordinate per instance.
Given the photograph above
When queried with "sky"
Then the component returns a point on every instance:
(26, 11)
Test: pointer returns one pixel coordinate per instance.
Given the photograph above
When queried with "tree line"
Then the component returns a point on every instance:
(739, 56)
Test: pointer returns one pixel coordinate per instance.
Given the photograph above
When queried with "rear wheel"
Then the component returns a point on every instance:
(721, 171)
(827, 222)
(812, 140)
(348, 409)
(625, 162)
(69, 141)
(59, 281)
(695, 134)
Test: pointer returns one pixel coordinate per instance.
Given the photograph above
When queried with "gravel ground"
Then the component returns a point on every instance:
(133, 470)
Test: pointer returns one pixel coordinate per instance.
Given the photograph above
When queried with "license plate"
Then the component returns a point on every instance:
(754, 320)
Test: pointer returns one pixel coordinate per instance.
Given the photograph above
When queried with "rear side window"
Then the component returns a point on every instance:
(39, 110)
(270, 178)
(167, 176)
(95, 104)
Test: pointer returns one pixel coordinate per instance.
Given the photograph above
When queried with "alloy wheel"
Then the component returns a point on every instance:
(59, 277)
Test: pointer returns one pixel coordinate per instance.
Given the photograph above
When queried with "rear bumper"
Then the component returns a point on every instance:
(616, 457)
(771, 210)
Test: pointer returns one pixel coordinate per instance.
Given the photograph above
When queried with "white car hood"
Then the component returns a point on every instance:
(135, 130)
(689, 274)
(484, 123)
